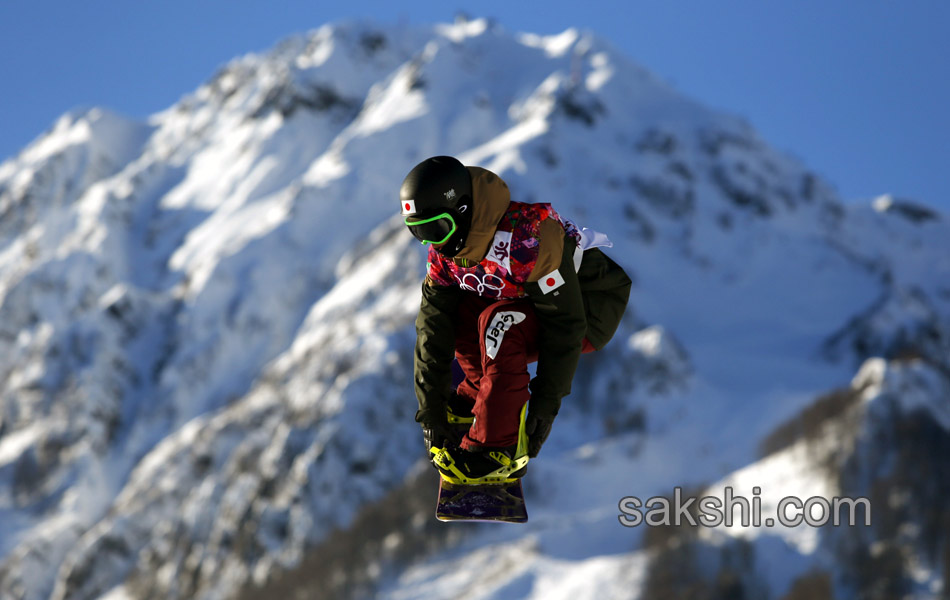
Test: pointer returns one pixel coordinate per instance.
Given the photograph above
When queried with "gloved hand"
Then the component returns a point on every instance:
(438, 435)
(538, 427)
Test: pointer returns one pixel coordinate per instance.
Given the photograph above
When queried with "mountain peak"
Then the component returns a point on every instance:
(107, 134)
(207, 320)
(908, 209)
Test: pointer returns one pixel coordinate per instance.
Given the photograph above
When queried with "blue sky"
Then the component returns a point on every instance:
(858, 90)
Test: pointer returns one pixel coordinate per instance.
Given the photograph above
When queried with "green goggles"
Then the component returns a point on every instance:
(434, 230)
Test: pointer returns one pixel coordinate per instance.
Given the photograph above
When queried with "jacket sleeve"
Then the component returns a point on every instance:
(435, 348)
(561, 320)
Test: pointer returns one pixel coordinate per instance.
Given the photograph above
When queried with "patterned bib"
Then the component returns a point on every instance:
(510, 259)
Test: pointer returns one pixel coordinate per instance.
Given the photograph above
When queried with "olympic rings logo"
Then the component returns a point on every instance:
(489, 286)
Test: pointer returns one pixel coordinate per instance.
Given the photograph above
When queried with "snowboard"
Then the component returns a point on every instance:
(495, 502)
(499, 501)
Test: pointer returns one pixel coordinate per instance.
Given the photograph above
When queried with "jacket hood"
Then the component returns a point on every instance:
(490, 200)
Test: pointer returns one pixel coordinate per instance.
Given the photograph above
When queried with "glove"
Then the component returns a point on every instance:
(538, 427)
(438, 435)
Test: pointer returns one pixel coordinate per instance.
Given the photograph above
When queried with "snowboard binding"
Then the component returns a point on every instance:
(509, 469)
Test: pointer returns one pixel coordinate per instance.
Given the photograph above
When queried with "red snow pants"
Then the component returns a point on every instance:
(495, 342)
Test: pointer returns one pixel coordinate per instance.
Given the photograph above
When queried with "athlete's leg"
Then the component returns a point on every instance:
(507, 333)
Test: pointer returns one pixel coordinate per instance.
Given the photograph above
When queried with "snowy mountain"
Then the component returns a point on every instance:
(206, 323)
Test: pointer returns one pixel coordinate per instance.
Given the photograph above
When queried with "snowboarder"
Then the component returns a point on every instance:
(508, 283)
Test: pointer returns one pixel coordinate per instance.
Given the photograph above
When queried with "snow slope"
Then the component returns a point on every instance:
(206, 331)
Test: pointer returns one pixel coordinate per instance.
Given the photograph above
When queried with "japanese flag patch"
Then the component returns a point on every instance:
(551, 281)
(408, 207)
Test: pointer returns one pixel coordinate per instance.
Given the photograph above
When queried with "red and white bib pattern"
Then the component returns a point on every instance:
(510, 259)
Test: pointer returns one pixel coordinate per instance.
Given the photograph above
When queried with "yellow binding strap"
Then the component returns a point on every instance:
(443, 459)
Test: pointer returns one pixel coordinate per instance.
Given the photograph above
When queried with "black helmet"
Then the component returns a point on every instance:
(436, 200)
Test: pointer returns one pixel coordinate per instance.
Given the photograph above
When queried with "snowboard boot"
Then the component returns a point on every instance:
(459, 411)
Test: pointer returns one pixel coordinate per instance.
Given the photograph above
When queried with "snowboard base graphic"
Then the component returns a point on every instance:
(498, 502)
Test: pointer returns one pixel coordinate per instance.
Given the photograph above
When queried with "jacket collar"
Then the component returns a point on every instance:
(490, 200)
